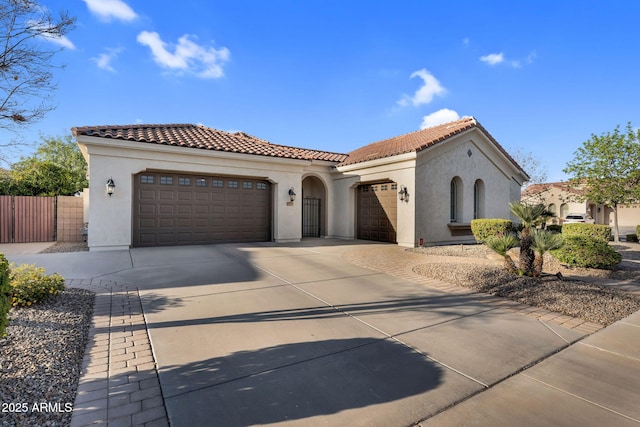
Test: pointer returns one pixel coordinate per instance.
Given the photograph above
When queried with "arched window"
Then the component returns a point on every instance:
(455, 204)
(564, 210)
(553, 209)
(478, 199)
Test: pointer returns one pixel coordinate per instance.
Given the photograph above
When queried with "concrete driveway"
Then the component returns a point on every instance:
(264, 334)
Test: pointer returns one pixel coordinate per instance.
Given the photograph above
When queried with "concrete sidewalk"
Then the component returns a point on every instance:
(428, 350)
(595, 382)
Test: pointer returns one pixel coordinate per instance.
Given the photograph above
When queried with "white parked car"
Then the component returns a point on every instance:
(578, 218)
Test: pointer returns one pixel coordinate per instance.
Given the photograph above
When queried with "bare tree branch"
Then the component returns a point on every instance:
(26, 67)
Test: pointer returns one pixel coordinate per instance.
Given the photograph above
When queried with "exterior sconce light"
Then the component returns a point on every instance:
(292, 194)
(403, 193)
(111, 187)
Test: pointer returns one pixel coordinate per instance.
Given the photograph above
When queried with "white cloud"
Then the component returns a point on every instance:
(531, 57)
(188, 56)
(104, 59)
(499, 58)
(60, 41)
(425, 94)
(493, 58)
(111, 9)
(439, 117)
(44, 33)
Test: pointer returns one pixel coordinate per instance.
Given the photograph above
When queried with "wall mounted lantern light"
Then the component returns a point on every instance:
(403, 193)
(292, 194)
(111, 187)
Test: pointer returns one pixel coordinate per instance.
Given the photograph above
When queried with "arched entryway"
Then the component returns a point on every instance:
(314, 207)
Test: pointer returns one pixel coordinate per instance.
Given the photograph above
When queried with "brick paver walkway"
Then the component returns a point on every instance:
(119, 384)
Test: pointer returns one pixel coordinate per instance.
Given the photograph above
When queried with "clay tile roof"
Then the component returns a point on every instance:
(418, 141)
(202, 137)
(534, 189)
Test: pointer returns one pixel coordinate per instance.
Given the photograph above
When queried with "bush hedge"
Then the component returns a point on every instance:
(29, 285)
(486, 228)
(596, 231)
(587, 252)
(637, 230)
(632, 238)
(554, 228)
(5, 303)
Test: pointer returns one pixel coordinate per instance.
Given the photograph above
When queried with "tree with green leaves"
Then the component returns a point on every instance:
(607, 170)
(56, 168)
(30, 36)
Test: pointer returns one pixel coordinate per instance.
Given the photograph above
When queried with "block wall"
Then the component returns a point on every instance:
(70, 219)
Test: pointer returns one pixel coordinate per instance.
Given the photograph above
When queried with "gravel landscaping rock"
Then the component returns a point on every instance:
(66, 247)
(584, 298)
(41, 358)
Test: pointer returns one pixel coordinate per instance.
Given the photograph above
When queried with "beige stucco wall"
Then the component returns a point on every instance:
(110, 218)
(437, 166)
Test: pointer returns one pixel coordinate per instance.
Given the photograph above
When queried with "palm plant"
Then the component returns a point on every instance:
(501, 246)
(529, 216)
(543, 242)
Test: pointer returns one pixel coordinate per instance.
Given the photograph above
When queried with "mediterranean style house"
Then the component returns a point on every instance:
(562, 200)
(182, 184)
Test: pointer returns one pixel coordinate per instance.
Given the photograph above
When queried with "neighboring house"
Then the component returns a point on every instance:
(562, 200)
(187, 184)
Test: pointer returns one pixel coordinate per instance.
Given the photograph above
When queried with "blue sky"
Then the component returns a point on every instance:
(335, 74)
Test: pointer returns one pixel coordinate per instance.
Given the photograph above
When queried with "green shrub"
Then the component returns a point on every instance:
(29, 285)
(5, 304)
(596, 231)
(487, 228)
(554, 228)
(632, 237)
(587, 252)
(637, 230)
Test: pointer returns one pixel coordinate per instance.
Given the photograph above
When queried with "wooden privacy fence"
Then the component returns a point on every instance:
(25, 219)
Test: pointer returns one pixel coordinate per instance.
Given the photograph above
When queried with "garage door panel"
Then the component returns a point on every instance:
(147, 209)
(166, 238)
(377, 212)
(201, 196)
(185, 195)
(147, 223)
(164, 209)
(200, 223)
(184, 209)
(175, 210)
(218, 197)
(184, 223)
(166, 222)
(148, 194)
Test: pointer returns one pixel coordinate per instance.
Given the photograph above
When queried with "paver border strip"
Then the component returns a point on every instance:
(119, 383)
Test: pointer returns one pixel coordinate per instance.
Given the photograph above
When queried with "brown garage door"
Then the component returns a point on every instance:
(377, 211)
(175, 209)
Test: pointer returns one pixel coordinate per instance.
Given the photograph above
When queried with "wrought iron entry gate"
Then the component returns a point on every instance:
(310, 217)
